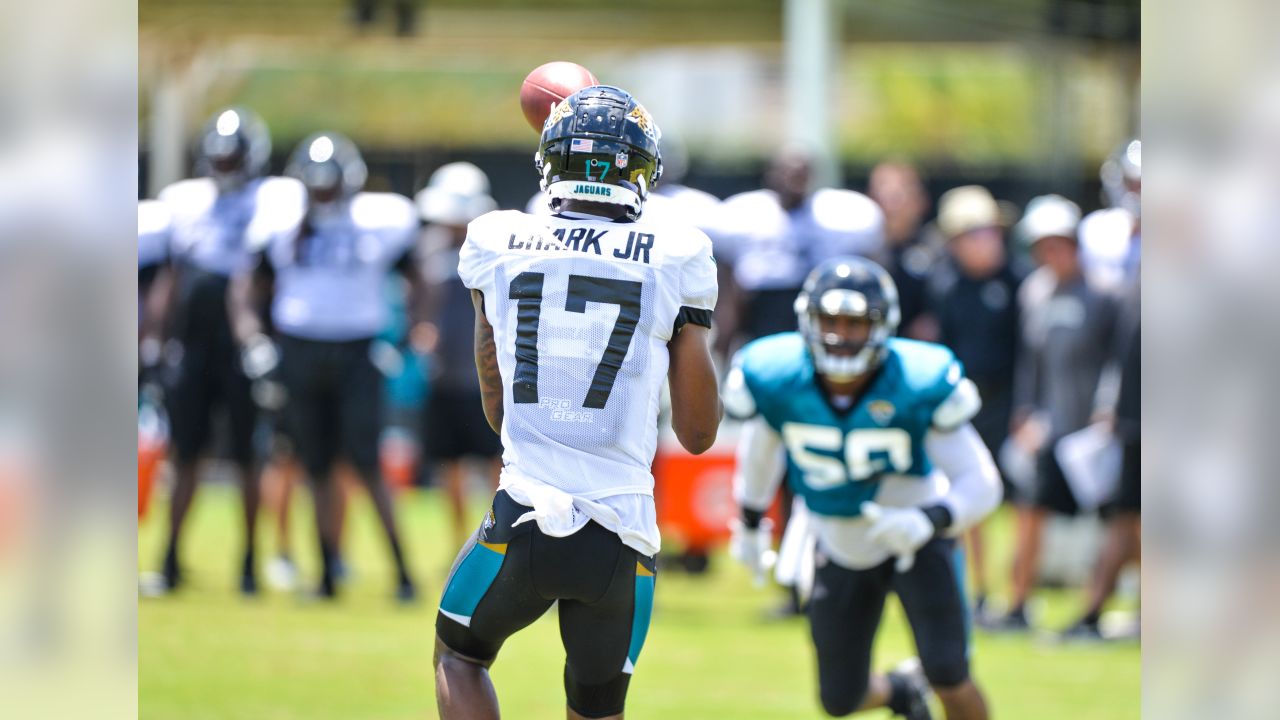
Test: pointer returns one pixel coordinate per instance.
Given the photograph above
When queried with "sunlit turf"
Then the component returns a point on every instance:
(208, 653)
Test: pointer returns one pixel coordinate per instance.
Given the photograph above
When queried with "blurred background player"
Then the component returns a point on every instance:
(879, 444)
(910, 251)
(1068, 330)
(574, 393)
(454, 427)
(1122, 543)
(973, 295)
(1111, 238)
(773, 237)
(691, 205)
(154, 228)
(324, 284)
(215, 218)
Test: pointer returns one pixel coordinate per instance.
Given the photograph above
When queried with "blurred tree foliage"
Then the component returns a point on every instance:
(961, 82)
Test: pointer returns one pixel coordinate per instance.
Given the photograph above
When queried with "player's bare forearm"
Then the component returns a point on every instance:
(157, 303)
(695, 395)
(418, 295)
(487, 365)
(728, 309)
(420, 299)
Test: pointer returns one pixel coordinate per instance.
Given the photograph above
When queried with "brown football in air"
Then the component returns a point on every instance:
(549, 84)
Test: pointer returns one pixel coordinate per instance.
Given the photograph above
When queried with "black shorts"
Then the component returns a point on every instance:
(992, 420)
(1128, 497)
(845, 610)
(335, 403)
(1050, 490)
(506, 577)
(455, 426)
(207, 377)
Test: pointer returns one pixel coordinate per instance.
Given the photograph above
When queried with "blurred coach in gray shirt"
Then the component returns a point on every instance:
(1068, 334)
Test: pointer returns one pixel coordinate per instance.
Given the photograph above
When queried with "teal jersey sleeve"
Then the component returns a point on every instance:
(935, 380)
(762, 376)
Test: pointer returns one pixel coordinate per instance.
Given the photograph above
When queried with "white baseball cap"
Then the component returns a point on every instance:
(1048, 216)
(966, 208)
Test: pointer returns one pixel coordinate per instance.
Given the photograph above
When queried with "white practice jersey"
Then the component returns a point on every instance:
(217, 232)
(582, 310)
(330, 285)
(772, 248)
(1109, 249)
(696, 207)
(154, 227)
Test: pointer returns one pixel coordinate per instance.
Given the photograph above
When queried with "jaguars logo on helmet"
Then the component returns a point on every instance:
(851, 287)
(561, 111)
(599, 145)
(644, 121)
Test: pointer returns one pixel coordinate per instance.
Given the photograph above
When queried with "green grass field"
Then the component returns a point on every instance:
(208, 653)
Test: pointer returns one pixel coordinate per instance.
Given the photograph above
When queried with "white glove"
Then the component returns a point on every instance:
(269, 394)
(387, 358)
(901, 531)
(259, 357)
(753, 548)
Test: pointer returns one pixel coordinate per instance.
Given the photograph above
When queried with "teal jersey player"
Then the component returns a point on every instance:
(836, 457)
(878, 443)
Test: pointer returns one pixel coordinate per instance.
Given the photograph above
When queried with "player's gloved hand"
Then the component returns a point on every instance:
(387, 358)
(753, 547)
(901, 531)
(260, 359)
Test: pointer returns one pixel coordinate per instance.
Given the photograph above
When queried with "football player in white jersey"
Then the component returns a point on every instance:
(455, 430)
(771, 238)
(324, 284)
(214, 219)
(154, 228)
(580, 316)
(1111, 238)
